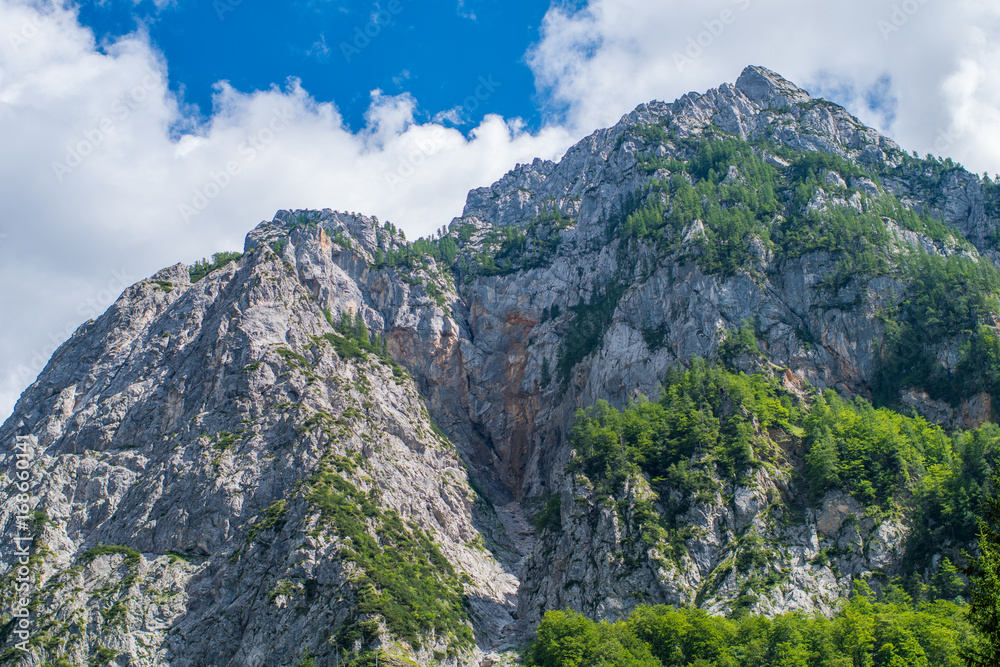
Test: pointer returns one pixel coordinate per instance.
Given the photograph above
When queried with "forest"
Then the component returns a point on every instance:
(712, 426)
(889, 630)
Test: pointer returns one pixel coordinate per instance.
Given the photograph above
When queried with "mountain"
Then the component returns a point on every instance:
(339, 442)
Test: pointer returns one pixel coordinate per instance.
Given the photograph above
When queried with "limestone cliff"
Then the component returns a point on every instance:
(332, 445)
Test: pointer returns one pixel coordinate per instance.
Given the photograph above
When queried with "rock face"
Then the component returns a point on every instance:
(255, 468)
(193, 423)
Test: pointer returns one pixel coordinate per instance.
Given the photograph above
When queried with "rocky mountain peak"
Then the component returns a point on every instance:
(342, 443)
(362, 228)
(769, 89)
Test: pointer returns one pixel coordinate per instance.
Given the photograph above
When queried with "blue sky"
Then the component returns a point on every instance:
(125, 124)
(437, 51)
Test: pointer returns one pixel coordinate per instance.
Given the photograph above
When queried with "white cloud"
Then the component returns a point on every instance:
(925, 71)
(931, 66)
(102, 174)
(466, 13)
(320, 50)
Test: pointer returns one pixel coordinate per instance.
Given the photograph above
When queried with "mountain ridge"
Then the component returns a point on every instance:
(277, 439)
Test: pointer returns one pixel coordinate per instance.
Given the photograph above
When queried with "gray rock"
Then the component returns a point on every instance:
(193, 423)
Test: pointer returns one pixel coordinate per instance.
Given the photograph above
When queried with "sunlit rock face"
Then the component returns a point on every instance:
(334, 444)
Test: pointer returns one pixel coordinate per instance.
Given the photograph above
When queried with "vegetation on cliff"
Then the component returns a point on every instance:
(887, 630)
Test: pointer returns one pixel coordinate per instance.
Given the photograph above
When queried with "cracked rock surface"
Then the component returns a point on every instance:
(220, 476)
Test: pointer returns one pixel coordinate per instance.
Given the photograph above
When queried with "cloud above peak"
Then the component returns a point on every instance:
(915, 69)
(106, 179)
(107, 176)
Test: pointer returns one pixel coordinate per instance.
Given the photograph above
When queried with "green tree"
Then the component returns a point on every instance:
(948, 584)
(984, 579)
(568, 639)
(202, 268)
(823, 462)
(739, 342)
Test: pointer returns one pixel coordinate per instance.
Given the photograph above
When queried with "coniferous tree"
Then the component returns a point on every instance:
(948, 585)
(984, 576)
(823, 462)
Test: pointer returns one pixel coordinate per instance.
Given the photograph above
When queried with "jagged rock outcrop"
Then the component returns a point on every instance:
(238, 471)
(217, 435)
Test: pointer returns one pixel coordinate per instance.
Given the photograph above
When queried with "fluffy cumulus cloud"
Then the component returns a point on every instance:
(106, 178)
(923, 71)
